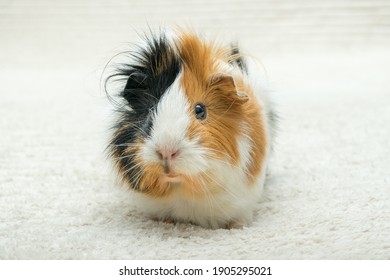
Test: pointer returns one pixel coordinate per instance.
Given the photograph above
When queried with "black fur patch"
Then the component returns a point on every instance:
(153, 69)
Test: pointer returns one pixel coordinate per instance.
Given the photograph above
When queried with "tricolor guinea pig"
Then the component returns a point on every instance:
(193, 136)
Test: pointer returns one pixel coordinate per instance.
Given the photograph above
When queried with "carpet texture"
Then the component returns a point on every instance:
(327, 194)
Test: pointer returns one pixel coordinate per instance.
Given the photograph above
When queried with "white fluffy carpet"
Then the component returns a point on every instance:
(328, 191)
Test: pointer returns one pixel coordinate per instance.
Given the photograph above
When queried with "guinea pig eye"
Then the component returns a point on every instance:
(200, 111)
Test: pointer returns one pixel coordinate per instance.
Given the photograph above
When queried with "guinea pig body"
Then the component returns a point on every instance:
(194, 136)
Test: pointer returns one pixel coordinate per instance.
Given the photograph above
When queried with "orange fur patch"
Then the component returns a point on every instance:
(203, 81)
(199, 83)
(152, 184)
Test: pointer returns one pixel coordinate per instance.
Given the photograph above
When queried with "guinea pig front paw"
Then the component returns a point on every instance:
(234, 225)
(166, 220)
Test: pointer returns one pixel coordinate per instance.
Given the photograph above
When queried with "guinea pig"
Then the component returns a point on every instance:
(194, 132)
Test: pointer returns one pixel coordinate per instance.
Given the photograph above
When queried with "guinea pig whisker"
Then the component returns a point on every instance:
(218, 153)
(123, 145)
(136, 165)
(139, 129)
(209, 197)
(245, 171)
(150, 95)
(134, 177)
(219, 184)
(137, 180)
(214, 155)
(214, 204)
(123, 157)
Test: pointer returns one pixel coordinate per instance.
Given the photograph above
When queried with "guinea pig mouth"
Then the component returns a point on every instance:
(171, 178)
(171, 175)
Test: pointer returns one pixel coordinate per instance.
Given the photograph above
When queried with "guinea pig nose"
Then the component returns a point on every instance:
(169, 154)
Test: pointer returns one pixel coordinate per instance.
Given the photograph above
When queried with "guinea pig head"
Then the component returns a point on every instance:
(188, 110)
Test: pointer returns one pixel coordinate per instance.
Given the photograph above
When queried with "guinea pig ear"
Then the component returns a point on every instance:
(226, 83)
(135, 89)
(136, 80)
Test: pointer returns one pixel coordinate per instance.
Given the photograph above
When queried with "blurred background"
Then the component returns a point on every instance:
(62, 33)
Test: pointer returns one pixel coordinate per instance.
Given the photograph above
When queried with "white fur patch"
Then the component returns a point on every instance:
(170, 131)
(171, 120)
